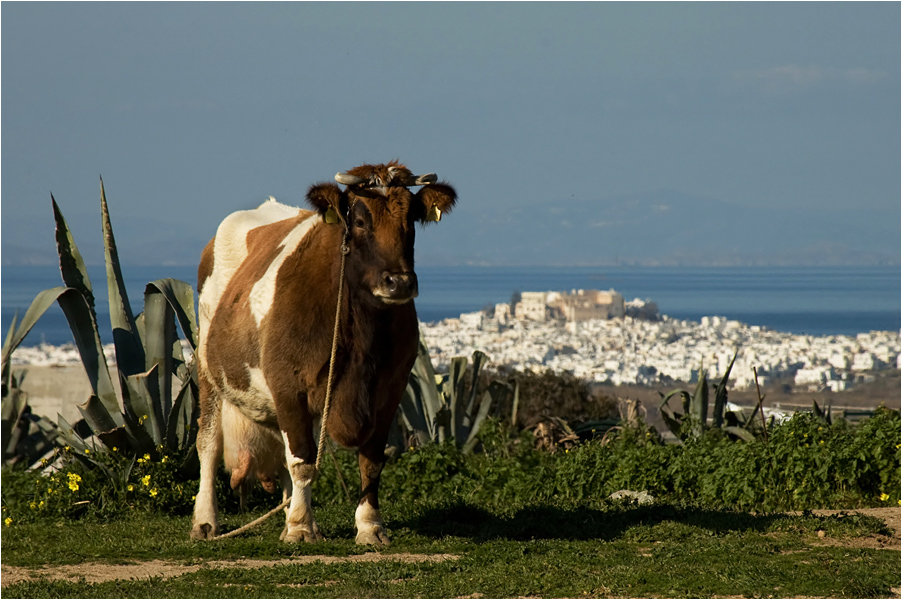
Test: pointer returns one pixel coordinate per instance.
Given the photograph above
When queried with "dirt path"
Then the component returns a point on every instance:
(100, 572)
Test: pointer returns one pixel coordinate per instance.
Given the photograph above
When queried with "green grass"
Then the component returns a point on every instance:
(556, 549)
(518, 522)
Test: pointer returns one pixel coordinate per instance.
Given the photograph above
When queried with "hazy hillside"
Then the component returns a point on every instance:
(663, 227)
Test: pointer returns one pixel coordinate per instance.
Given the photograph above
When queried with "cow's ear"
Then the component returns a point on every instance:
(435, 200)
(325, 198)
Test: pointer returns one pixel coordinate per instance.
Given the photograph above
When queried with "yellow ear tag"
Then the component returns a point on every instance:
(434, 214)
(331, 216)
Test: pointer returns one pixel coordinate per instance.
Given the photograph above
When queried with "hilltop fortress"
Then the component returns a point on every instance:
(575, 307)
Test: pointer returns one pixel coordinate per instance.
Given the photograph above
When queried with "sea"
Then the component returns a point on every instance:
(799, 300)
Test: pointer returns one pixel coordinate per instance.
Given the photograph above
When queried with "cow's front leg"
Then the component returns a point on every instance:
(300, 458)
(371, 458)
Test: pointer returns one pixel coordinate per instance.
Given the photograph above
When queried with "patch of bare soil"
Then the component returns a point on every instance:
(100, 572)
(889, 515)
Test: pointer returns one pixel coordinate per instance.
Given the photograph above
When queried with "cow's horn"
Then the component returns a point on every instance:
(424, 179)
(346, 179)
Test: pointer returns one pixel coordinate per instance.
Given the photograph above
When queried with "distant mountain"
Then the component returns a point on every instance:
(660, 228)
(656, 228)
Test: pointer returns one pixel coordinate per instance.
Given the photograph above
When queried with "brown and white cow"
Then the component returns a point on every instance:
(268, 285)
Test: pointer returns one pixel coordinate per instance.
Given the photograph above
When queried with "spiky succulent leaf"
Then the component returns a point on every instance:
(129, 350)
(698, 406)
(72, 266)
(720, 395)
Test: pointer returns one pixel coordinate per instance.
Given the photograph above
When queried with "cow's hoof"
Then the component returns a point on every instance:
(301, 535)
(374, 537)
(204, 531)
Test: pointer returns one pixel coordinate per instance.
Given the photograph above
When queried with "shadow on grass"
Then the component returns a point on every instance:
(578, 523)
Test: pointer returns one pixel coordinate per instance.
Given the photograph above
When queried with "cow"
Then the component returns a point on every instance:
(268, 288)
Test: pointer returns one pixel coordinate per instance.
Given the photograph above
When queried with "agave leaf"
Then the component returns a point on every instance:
(666, 399)
(179, 425)
(424, 373)
(67, 432)
(6, 354)
(720, 395)
(97, 416)
(87, 339)
(143, 406)
(479, 359)
(516, 403)
(159, 338)
(180, 297)
(410, 413)
(78, 313)
(741, 433)
(443, 424)
(698, 406)
(478, 420)
(454, 394)
(671, 420)
(129, 351)
(72, 266)
(38, 307)
(39, 443)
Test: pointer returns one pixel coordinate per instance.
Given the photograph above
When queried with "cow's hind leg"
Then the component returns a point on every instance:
(205, 524)
(300, 459)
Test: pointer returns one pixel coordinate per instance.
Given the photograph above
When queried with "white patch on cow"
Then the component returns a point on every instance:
(370, 529)
(229, 251)
(299, 524)
(366, 517)
(263, 294)
(256, 402)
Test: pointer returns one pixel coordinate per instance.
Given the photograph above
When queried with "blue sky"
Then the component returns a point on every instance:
(192, 110)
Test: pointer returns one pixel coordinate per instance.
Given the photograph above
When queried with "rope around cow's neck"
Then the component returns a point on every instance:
(322, 429)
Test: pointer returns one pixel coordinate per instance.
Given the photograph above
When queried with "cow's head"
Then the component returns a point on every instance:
(380, 212)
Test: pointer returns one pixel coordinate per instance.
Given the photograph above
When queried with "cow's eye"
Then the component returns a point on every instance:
(359, 223)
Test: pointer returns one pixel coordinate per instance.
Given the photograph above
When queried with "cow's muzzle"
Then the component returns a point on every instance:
(397, 288)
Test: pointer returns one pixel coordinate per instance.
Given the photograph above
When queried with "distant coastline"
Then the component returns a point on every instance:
(815, 301)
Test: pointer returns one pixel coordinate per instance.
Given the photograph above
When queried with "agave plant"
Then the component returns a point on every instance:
(157, 385)
(692, 422)
(435, 408)
(26, 437)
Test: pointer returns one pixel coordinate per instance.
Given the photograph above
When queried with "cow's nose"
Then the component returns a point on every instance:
(400, 285)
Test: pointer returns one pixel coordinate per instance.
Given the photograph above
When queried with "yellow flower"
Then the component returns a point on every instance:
(67, 448)
(87, 451)
(74, 480)
(115, 449)
(145, 480)
(8, 521)
(33, 506)
(131, 488)
(884, 497)
(41, 505)
(165, 458)
(153, 493)
(147, 457)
